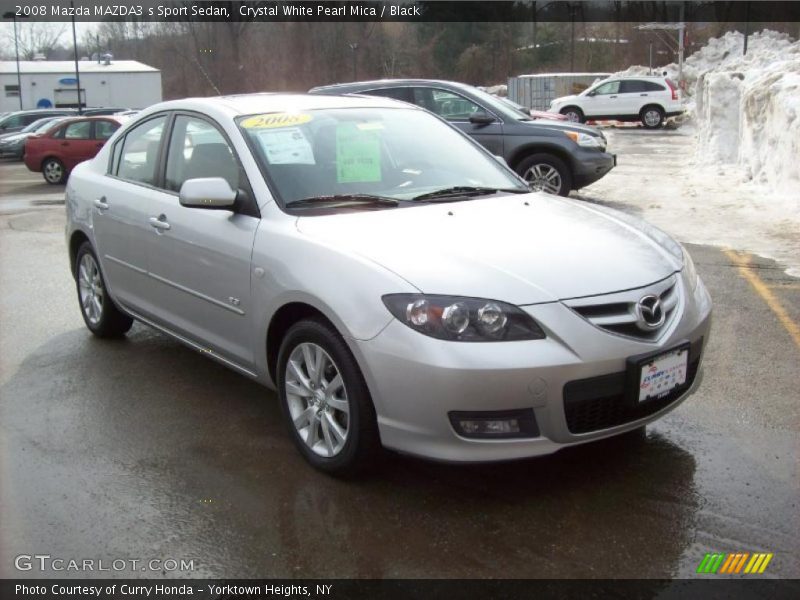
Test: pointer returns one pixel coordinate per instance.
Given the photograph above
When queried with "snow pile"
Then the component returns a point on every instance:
(747, 106)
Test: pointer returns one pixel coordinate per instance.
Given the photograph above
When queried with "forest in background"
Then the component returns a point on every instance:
(202, 59)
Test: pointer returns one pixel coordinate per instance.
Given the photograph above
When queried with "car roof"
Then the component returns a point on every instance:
(379, 83)
(249, 104)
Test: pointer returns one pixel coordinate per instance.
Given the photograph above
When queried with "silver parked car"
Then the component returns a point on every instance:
(396, 283)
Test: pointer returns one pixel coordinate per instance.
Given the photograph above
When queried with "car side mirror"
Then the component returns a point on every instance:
(207, 192)
(481, 118)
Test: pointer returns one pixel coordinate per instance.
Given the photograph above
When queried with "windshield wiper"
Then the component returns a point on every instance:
(460, 191)
(343, 199)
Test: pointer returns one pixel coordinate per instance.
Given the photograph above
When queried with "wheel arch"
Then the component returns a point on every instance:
(286, 316)
(76, 240)
(653, 105)
(521, 153)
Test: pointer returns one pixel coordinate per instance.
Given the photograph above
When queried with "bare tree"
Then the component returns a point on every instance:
(35, 38)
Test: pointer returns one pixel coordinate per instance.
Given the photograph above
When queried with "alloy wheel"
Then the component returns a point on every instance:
(652, 118)
(572, 116)
(90, 285)
(317, 399)
(544, 178)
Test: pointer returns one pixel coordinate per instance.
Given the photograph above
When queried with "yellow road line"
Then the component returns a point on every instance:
(742, 262)
(784, 286)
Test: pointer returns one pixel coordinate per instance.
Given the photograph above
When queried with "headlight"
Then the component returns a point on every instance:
(586, 140)
(689, 269)
(463, 319)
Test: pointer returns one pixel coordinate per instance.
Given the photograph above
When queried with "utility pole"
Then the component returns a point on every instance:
(746, 26)
(12, 15)
(75, 51)
(354, 47)
(572, 39)
(681, 31)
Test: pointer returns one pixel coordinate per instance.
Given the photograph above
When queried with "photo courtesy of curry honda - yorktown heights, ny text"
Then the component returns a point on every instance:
(399, 285)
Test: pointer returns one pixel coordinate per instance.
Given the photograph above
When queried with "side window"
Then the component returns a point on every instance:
(59, 133)
(402, 93)
(651, 86)
(104, 129)
(78, 131)
(612, 87)
(632, 86)
(15, 121)
(444, 103)
(28, 119)
(198, 149)
(139, 155)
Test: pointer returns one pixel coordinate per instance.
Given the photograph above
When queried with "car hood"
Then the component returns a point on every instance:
(523, 249)
(565, 126)
(563, 99)
(14, 137)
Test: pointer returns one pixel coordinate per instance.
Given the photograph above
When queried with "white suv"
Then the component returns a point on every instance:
(646, 99)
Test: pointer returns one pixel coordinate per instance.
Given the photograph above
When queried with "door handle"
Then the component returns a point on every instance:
(612, 96)
(643, 94)
(65, 143)
(160, 223)
(100, 203)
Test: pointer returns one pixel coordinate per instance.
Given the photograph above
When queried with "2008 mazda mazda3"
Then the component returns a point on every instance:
(397, 285)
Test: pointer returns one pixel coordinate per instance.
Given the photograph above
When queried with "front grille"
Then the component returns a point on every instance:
(602, 402)
(616, 313)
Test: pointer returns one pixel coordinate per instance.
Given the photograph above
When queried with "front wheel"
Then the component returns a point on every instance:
(652, 117)
(573, 114)
(101, 315)
(325, 400)
(54, 171)
(546, 173)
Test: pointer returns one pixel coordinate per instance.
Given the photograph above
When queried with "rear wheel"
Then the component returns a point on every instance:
(325, 400)
(54, 171)
(546, 173)
(652, 117)
(574, 114)
(101, 315)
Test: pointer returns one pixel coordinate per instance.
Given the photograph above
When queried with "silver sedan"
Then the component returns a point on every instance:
(399, 286)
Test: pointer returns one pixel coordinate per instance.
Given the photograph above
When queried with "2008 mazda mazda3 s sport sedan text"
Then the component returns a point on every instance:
(397, 285)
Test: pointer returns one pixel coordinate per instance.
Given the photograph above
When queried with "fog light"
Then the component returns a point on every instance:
(495, 424)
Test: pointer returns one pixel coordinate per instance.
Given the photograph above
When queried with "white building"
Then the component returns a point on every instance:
(52, 83)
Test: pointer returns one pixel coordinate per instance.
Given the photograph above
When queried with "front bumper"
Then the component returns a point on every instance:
(590, 165)
(416, 381)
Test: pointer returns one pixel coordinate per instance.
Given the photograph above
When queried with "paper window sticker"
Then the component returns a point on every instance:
(286, 146)
(358, 154)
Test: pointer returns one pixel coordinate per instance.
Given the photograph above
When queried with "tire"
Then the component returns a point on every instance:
(539, 168)
(652, 117)
(311, 414)
(53, 171)
(101, 315)
(574, 114)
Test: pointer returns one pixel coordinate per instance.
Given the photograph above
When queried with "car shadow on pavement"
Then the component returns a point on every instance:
(152, 445)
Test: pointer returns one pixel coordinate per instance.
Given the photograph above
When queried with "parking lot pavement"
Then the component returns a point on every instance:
(142, 448)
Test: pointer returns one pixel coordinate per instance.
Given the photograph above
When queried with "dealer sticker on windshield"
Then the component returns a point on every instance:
(663, 373)
(273, 120)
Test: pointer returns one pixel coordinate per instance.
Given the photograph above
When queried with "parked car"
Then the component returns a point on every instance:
(13, 144)
(16, 121)
(650, 100)
(99, 112)
(552, 156)
(395, 283)
(56, 152)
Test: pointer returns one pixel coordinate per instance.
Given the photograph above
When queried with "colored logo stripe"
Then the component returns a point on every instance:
(733, 563)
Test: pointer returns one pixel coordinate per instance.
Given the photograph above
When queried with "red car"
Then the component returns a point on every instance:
(56, 152)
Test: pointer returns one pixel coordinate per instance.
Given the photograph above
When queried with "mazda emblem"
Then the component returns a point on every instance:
(649, 312)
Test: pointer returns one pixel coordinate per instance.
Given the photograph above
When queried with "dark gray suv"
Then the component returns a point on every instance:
(553, 156)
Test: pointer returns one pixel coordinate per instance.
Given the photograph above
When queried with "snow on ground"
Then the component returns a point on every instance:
(659, 178)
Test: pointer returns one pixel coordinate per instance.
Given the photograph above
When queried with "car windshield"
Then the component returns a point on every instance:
(387, 153)
(40, 125)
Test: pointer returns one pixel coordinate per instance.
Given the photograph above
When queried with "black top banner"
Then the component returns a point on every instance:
(399, 10)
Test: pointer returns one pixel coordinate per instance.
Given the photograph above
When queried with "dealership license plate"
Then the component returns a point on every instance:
(661, 374)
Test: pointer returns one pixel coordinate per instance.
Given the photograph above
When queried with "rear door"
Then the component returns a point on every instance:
(633, 95)
(199, 259)
(457, 109)
(102, 130)
(120, 211)
(77, 144)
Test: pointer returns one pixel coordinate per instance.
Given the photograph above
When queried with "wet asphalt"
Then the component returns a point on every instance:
(141, 448)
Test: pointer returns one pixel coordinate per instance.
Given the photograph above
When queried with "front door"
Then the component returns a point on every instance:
(457, 109)
(605, 102)
(199, 259)
(77, 144)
